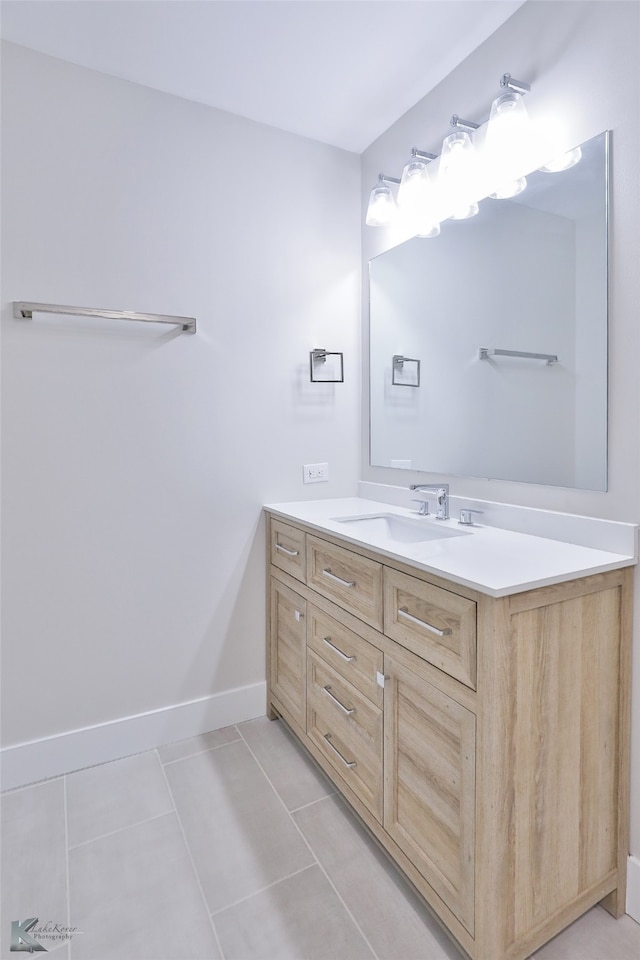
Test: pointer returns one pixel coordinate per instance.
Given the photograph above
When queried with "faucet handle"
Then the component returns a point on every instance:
(423, 509)
(466, 518)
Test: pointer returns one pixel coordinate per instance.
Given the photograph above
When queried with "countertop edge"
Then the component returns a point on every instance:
(619, 561)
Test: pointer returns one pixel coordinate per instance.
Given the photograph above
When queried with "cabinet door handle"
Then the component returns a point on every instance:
(347, 763)
(343, 583)
(289, 553)
(402, 612)
(327, 640)
(347, 710)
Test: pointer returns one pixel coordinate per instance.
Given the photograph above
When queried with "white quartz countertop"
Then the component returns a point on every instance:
(490, 559)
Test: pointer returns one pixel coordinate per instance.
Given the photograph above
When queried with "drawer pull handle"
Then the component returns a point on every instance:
(344, 709)
(402, 612)
(343, 583)
(347, 763)
(335, 649)
(289, 553)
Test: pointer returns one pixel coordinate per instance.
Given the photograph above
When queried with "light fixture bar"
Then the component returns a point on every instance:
(457, 121)
(506, 80)
(491, 158)
(422, 155)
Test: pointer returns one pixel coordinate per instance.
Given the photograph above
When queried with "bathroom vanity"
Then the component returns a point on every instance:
(468, 694)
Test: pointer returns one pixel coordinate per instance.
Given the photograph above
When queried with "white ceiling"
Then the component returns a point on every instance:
(339, 71)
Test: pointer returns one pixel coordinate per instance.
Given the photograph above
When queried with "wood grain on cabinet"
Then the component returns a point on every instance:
(357, 660)
(429, 797)
(288, 660)
(347, 728)
(288, 549)
(551, 760)
(352, 581)
(437, 624)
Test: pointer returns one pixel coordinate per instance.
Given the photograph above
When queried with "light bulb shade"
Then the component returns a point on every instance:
(563, 162)
(458, 154)
(511, 189)
(381, 207)
(415, 185)
(428, 230)
(464, 212)
(458, 172)
(509, 143)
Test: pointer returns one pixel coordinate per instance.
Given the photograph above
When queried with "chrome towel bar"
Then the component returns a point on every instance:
(485, 353)
(25, 311)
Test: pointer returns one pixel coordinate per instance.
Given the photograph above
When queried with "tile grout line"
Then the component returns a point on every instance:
(129, 826)
(188, 756)
(305, 806)
(191, 861)
(274, 883)
(326, 875)
(28, 786)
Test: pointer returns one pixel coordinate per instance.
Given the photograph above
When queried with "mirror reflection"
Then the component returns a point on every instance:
(507, 315)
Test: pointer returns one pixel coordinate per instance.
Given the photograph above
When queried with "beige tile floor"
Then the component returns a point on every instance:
(231, 845)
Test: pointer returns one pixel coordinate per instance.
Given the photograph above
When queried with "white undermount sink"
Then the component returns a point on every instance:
(393, 526)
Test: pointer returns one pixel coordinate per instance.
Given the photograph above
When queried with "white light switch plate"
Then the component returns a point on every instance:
(315, 472)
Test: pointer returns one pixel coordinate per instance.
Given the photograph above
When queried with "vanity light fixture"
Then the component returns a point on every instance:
(491, 159)
(564, 162)
(382, 206)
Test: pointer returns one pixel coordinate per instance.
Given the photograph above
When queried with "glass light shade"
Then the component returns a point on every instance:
(563, 162)
(381, 207)
(415, 184)
(509, 141)
(458, 155)
(427, 230)
(512, 189)
(464, 212)
(458, 173)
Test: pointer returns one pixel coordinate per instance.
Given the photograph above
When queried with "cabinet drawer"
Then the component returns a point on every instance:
(348, 730)
(355, 659)
(437, 625)
(352, 581)
(288, 549)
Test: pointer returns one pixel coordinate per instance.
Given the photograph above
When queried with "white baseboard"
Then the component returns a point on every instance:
(53, 756)
(633, 888)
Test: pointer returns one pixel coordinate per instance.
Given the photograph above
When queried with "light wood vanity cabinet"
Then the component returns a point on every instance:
(484, 741)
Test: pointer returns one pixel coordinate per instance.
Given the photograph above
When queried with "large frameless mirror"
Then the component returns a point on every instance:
(507, 315)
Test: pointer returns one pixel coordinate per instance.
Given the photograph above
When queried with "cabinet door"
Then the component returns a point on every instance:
(289, 651)
(429, 791)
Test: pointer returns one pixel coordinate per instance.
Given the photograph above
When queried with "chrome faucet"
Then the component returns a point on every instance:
(441, 491)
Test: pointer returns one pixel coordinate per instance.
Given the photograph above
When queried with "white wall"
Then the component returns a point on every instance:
(136, 460)
(582, 61)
